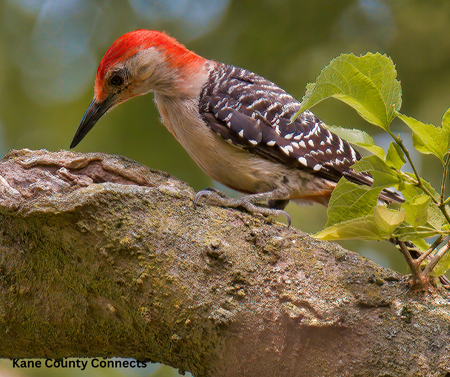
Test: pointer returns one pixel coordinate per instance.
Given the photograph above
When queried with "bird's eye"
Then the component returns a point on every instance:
(116, 79)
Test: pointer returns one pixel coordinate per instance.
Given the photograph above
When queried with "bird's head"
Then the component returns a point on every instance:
(137, 63)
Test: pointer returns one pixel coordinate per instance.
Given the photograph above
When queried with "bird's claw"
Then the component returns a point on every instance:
(222, 200)
(288, 217)
(206, 192)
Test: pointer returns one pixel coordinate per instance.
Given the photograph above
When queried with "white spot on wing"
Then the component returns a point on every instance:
(228, 117)
(233, 87)
(341, 145)
(329, 137)
(284, 149)
(303, 161)
(258, 101)
(289, 136)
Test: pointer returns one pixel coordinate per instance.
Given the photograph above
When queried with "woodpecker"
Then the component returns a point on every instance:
(235, 124)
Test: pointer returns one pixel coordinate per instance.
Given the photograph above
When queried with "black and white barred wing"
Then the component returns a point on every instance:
(253, 113)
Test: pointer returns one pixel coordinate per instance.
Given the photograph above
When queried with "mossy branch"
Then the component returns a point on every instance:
(100, 256)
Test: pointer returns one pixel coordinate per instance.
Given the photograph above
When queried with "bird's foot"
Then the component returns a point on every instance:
(248, 202)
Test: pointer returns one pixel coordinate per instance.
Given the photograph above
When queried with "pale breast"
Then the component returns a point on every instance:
(230, 165)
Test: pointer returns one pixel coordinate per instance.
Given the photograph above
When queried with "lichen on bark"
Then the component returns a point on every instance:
(101, 256)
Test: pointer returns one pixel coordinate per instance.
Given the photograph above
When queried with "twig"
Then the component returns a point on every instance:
(411, 263)
(433, 246)
(444, 175)
(440, 203)
(443, 202)
(441, 206)
(399, 141)
(436, 259)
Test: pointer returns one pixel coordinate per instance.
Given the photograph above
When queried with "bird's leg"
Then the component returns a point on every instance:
(208, 192)
(278, 203)
(276, 200)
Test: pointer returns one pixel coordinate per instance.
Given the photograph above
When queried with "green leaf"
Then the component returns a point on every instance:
(446, 120)
(410, 190)
(417, 210)
(442, 266)
(428, 139)
(395, 157)
(363, 228)
(383, 175)
(413, 190)
(357, 137)
(388, 220)
(421, 244)
(349, 200)
(436, 218)
(367, 83)
(409, 233)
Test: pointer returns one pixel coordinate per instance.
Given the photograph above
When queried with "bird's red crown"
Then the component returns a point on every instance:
(131, 43)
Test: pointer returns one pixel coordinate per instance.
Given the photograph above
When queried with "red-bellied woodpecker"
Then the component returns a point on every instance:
(235, 124)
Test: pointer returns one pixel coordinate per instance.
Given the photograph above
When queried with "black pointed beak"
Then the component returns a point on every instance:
(93, 113)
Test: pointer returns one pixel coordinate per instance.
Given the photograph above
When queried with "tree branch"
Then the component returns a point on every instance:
(101, 256)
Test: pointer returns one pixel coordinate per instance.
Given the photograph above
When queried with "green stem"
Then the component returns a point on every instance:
(436, 259)
(441, 206)
(424, 189)
(435, 244)
(444, 176)
(439, 203)
(408, 156)
(443, 202)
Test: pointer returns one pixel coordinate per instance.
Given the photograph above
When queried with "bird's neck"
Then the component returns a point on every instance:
(160, 73)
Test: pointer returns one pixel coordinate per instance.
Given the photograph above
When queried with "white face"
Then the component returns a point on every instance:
(144, 72)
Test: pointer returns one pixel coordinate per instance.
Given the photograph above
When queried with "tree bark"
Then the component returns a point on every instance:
(101, 256)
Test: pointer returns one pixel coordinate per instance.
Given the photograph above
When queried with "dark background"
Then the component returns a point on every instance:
(50, 49)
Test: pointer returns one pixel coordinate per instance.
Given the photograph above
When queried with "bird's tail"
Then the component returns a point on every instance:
(390, 195)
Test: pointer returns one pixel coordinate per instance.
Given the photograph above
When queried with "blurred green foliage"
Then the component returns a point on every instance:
(50, 50)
